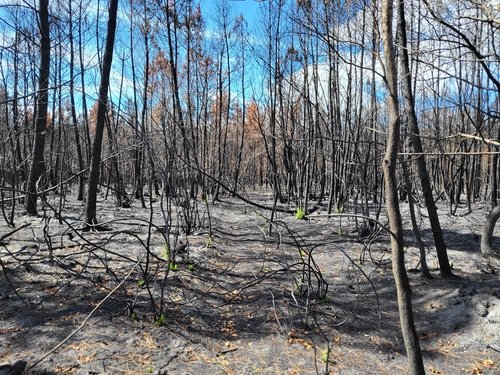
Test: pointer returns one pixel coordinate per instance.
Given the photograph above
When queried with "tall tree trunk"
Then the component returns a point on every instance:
(17, 118)
(138, 174)
(389, 167)
(37, 164)
(444, 264)
(83, 99)
(90, 208)
(74, 120)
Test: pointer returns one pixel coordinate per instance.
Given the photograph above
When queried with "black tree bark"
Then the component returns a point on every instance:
(487, 233)
(90, 208)
(444, 264)
(37, 164)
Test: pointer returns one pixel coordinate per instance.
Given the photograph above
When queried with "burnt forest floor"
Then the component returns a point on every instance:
(245, 294)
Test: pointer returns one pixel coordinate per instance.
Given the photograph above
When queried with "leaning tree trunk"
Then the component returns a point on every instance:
(38, 165)
(423, 174)
(487, 234)
(90, 209)
(389, 167)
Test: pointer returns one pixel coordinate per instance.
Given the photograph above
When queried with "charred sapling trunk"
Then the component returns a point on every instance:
(403, 289)
(487, 234)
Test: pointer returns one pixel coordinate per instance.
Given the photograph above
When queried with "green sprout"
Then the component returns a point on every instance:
(160, 321)
(173, 266)
(133, 316)
(141, 282)
(149, 369)
(297, 290)
(208, 243)
(191, 267)
(300, 213)
(325, 354)
(165, 252)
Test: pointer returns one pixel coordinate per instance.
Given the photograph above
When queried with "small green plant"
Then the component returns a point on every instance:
(141, 282)
(326, 299)
(191, 267)
(133, 316)
(160, 321)
(265, 270)
(303, 253)
(297, 288)
(300, 213)
(339, 210)
(208, 243)
(165, 252)
(173, 266)
(149, 369)
(340, 233)
(325, 355)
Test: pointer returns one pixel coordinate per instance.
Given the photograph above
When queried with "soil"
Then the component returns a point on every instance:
(247, 293)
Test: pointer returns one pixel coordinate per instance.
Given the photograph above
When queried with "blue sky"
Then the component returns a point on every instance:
(249, 9)
(246, 7)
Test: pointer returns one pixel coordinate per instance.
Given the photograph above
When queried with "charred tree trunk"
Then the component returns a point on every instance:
(444, 264)
(389, 167)
(38, 165)
(74, 120)
(487, 234)
(90, 208)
